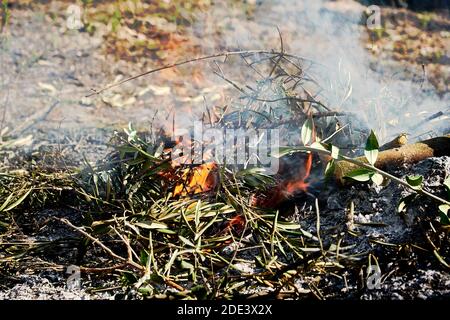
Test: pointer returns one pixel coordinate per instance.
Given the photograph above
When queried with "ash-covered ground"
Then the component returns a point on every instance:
(399, 241)
(406, 273)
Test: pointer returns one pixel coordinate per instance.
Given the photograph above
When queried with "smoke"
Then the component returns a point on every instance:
(383, 97)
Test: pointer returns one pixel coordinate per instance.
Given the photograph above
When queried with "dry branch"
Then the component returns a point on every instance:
(128, 261)
(394, 158)
(242, 53)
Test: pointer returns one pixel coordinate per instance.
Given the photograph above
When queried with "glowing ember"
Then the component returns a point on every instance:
(269, 199)
(236, 224)
(285, 189)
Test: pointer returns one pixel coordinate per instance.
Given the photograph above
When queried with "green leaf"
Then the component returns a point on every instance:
(444, 208)
(19, 201)
(284, 151)
(156, 278)
(329, 170)
(150, 225)
(415, 181)
(445, 220)
(200, 292)
(371, 150)
(128, 278)
(447, 185)
(115, 20)
(377, 179)
(441, 259)
(197, 213)
(143, 257)
(146, 291)
(307, 131)
(334, 152)
(405, 202)
(186, 241)
(318, 146)
(288, 225)
(167, 231)
(171, 261)
(6, 14)
(7, 201)
(186, 265)
(360, 174)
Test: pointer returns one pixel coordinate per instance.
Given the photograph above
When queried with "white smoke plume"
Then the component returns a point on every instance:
(330, 33)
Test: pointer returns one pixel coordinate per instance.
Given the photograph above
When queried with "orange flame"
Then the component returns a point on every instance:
(237, 224)
(285, 189)
(201, 179)
(300, 184)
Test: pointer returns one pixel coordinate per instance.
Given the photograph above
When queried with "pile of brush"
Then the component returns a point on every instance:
(211, 229)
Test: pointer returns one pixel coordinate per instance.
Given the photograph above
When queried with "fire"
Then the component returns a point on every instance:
(285, 189)
(270, 198)
(300, 184)
(204, 178)
(200, 179)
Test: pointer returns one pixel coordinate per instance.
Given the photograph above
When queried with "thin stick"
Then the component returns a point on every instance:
(43, 116)
(312, 101)
(126, 241)
(101, 270)
(180, 63)
(370, 167)
(174, 285)
(97, 241)
(280, 55)
(318, 224)
(221, 75)
(314, 115)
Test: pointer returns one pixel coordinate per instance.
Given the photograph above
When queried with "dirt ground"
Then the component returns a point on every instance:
(44, 62)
